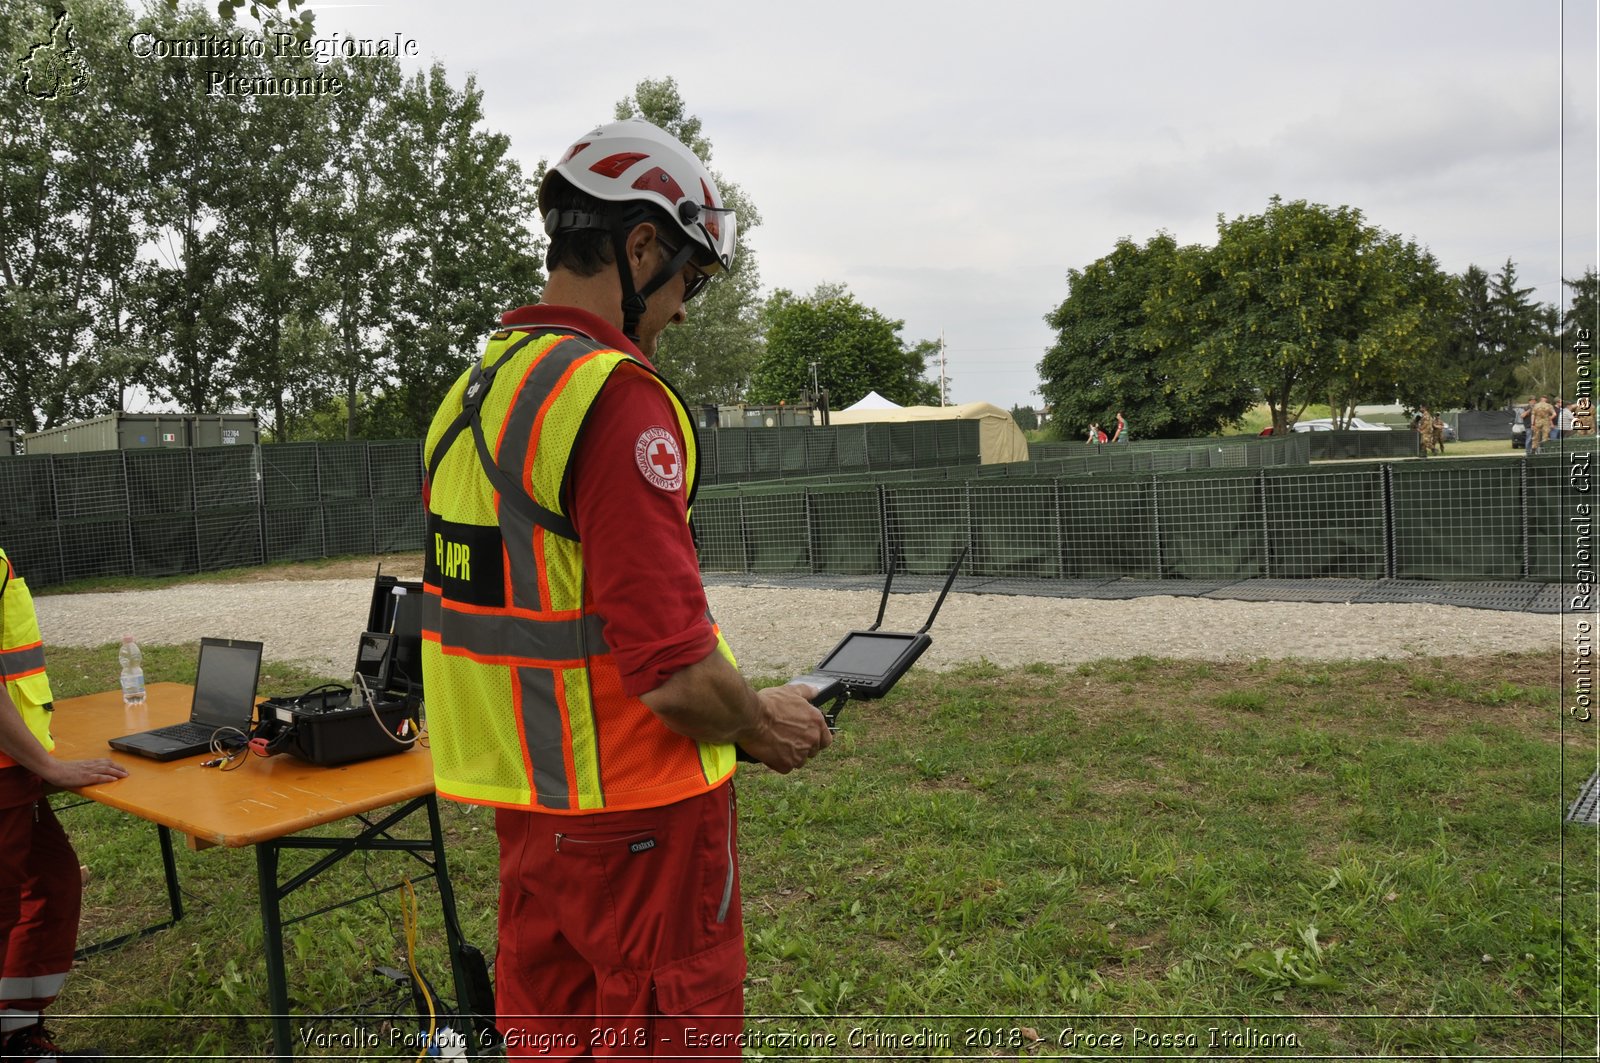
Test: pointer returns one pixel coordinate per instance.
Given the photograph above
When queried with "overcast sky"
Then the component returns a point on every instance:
(950, 162)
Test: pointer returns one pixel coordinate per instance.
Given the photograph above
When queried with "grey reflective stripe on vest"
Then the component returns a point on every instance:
(515, 637)
(15, 663)
(541, 730)
(515, 435)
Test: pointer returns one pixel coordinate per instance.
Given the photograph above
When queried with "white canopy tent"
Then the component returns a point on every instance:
(872, 401)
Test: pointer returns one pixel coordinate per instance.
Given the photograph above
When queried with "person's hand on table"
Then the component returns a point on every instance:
(71, 774)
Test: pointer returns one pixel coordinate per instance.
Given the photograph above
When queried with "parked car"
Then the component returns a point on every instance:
(1325, 424)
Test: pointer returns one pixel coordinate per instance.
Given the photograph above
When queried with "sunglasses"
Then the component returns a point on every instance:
(695, 280)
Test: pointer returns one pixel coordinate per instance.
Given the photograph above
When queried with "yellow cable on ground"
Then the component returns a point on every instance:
(409, 914)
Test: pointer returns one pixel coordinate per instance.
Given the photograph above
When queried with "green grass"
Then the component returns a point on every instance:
(1329, 845)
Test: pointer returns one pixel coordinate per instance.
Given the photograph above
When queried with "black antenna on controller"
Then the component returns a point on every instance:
(894, 560)
(950, 579)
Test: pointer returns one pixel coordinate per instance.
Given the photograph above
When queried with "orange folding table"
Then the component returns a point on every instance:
(264, 803)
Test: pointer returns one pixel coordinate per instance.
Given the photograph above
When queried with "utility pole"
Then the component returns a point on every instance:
(941, 368)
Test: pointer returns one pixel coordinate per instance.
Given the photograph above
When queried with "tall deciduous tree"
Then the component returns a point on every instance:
(1109, 355)
(710, 356)
(71, 184)
(459, 213)
(1305, 301)
(855, 350)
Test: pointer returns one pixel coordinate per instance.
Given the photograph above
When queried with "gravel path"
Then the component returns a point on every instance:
(780, 631)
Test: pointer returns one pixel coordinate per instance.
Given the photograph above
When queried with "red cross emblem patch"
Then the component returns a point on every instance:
(659, 458)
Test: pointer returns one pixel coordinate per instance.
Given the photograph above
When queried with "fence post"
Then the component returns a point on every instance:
(55, 514)
(127, 508)
(1266, 533)
(811, 536)
(1527, 538)
(194, 510)
(1386, 474)
(883, 528)
(744, 535)
(1155, 522)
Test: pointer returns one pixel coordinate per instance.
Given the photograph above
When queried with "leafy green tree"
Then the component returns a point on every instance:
(855, 350)
(1583, 311)
(351, 215)
(1027, 418)
(188, 313)
(1521, 325)
(70, 186)
(1547, 371)
(458, 215)
(1303, 302)
(283, 362)
(710, 356)
(1470, 347)
(1110, 354)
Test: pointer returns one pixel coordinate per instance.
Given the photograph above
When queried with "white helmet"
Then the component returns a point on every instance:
(635, 162)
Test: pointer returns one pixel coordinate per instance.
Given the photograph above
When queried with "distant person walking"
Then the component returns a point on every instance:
(1436, 430)
(1096, 434)
(1543, 416)
(1120, 435)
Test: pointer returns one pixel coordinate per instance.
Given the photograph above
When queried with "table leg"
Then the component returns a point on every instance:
(272, 942)
(447, 902)
(169, 863)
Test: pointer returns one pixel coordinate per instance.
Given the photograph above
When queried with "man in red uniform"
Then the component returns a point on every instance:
(40, 884)
(608, 752)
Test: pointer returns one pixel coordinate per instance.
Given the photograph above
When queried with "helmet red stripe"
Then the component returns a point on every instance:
(616, 165)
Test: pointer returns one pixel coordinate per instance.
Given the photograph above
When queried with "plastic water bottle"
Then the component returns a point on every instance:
(132, 672)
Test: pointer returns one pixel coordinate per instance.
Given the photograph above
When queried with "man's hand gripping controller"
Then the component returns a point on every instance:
(830, 698)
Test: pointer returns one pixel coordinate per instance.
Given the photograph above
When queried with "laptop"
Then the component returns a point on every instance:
(224, 696)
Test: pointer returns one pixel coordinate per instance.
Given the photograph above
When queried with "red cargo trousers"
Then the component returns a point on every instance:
(621, 932)
(41, 890)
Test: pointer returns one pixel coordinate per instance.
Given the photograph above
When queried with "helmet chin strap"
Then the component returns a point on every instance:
(633, 301)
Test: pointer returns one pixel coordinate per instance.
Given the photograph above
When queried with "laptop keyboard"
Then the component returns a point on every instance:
(188, 732)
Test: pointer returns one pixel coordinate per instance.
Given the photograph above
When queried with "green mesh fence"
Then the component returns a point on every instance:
(90, 486)
(1335, 446)
(847, 529)
(734, 455)
(28, 487)
(1459, 519)
(289, 475)
(226, 477)
(294, 533)
(1325, 525)
(228, 538)
(1108, 528)
(164, 545)
(159, 481)
(168, 511)
(1212, 526)
(1552, 520)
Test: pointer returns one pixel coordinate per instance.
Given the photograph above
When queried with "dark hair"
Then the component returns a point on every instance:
(588, 251)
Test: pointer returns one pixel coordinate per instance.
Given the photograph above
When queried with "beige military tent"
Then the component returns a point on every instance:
(999, 438)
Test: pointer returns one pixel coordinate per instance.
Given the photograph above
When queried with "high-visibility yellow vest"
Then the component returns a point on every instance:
(22, 657)
(525, 701)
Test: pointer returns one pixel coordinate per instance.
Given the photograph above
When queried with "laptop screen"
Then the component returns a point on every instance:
(372, 660)
(225, 683)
